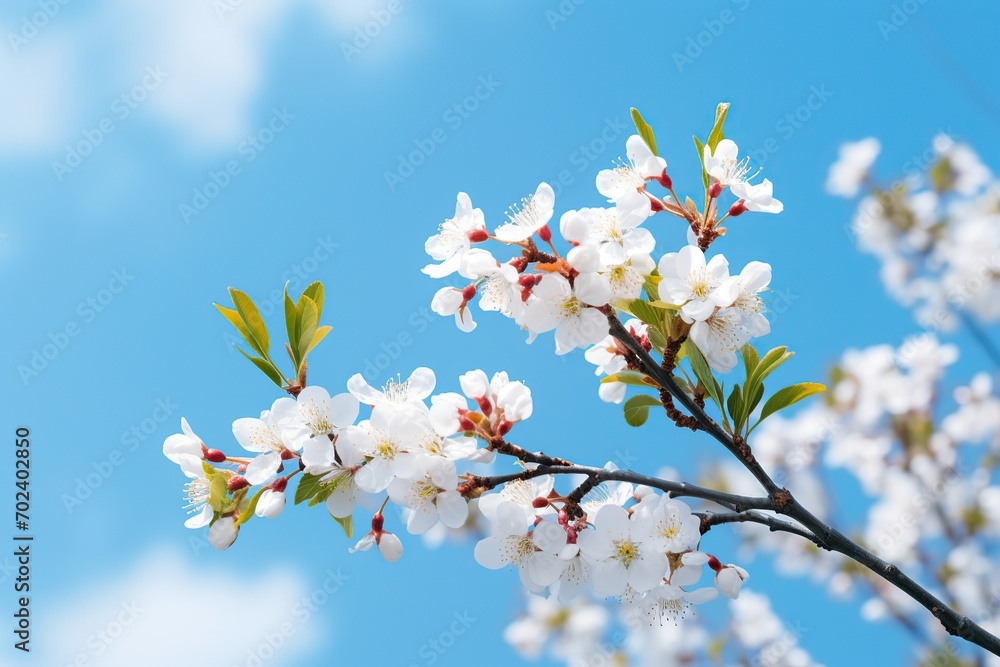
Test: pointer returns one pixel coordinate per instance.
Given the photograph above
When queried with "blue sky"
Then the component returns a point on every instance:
(302, 131)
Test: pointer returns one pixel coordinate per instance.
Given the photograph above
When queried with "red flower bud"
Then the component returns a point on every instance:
(545, 234)
(665, 180)
(485, 405)
(279, 485)
(739, 208)
(478, 235)
(237, 482)
(715, 190)
(377, 522)
(539, 502)
(469, 293)
(215, 456)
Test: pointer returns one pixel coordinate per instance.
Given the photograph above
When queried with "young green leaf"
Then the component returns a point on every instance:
(316, 292)
(253, 321)
(717, 135)
(637, 408)
(347, 523)
(644, 130)
(634, 378)
(750, 359)
(217, 491)
(309, 486)
(735, 407)
(234, 318)
(265, 367)
(789, 396)
(291, 326)
(308, 324)
(251, 507)
(701, 157)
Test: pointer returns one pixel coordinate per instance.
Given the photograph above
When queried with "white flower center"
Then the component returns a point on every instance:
(625, 551)
(700, 282)
(386, 449)
(316, 417)
(518, 491)
(397, 391)
(674, 610)
(525, 214)
(571, 307)
(735, 171)
(627, 176)
(518, 548)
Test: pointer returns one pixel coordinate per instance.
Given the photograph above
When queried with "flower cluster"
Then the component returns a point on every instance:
(406, 452)
(936, 230)
(609, 260)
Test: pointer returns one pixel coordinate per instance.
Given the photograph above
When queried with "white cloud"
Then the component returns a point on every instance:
(168, 611)
(215, 52)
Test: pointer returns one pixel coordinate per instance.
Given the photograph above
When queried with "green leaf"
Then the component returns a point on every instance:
(327, 488)
(774, 358)
(789, 396)
(316, 292)
(249, 510)
(291, 326)
(717, 135)
(309, 486)
(735, 406)
(236, 321)
(634, 378)
(347, 523)
(703, 372)
(217, 491)
(646, 312)
(265, 367)
(637, 408)
(644, 130)
(259, 339)
(651, 285)
(701, 158)
(308, 316)
(750, 358)
(657, 339)
(318, 337)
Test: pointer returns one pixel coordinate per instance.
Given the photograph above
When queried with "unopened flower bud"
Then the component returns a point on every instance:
(215, 456)
(545, 233)
(478, 235)
(539, 502)
(739, 208)
(237, 482)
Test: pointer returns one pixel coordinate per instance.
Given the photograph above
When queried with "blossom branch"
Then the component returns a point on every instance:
(784, 503)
